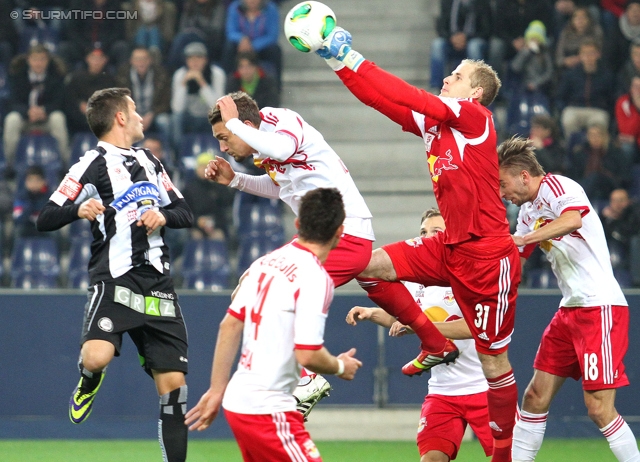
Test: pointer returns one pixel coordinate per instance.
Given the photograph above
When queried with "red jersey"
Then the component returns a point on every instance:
(460, 140)
(628, 117)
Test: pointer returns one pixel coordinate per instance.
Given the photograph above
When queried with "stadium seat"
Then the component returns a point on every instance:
(31, 36)
(194, 144)
(257, 216)
(599, 204)
(4, 92)
(79, 255)
(205, 265)
(35, 263)
(634, 190)
(251, 248)
(522, 107)
(41, 149)
(541, 279)
(80, 230)
(81, 143)
(634, 263)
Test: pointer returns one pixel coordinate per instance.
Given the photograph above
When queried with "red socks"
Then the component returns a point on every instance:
(503, 403)
(395, 299)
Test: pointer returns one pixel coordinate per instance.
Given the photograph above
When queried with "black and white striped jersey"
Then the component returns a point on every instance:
(128, 182)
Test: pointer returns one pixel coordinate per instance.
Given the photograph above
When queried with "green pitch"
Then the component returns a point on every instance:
(553, 450)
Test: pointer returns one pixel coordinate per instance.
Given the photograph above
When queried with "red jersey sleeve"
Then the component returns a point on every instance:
(372, 98)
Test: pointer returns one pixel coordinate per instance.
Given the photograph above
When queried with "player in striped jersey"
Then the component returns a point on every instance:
(128, 197)
(588, 336)
(279, 313)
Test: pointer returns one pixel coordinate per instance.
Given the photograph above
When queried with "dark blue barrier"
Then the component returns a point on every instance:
(39, 344)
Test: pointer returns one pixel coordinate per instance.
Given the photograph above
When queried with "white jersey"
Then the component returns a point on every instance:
(283, 301)
(580, 260)
(298, 160)
(465, 376)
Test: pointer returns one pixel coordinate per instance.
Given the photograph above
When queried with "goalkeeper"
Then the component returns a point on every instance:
(476, 255)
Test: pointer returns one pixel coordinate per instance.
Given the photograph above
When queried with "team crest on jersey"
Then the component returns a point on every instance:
(151, 169)
(438, 164)
(448, 298)
(311, 450)
(428, 139)
(422, 424)
(414, 242)
(118, 174)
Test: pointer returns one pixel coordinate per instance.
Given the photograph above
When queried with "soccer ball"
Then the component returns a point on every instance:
(307, 25)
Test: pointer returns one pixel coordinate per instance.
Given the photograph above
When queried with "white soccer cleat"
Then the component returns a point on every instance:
(309, 391)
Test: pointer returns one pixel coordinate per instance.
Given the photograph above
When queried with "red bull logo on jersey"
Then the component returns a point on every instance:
(438, 164)
(448, 298)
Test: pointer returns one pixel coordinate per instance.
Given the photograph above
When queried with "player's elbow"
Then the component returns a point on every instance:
(306, 358)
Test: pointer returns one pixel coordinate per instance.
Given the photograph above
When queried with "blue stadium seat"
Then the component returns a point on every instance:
(205, 265)
(634, 190)
(251, 248)
(257, 216)
(634, 260)
(80, 230)
(522, 107)
(35, 263)
(541, 279)
(194, 144)
(79, 255)
(81, 143)
(31, 36)
(41, 149)
(4, 92)
(599, 204)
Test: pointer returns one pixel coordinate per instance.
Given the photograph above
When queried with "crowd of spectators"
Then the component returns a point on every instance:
(177, 57)
(571, 83)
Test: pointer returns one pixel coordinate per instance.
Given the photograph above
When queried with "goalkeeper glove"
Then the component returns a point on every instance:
(338, 46)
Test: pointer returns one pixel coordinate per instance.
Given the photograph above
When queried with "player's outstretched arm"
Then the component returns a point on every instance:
(375, 315)
(229, 336)
(338, 46)
(345, 365)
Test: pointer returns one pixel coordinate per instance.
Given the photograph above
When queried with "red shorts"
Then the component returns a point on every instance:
(279, 437)
(589, 343)
(444, 419)
(349, 259)
(484, 275)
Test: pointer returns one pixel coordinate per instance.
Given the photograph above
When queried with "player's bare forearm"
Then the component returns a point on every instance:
(455, 330)
(375, 315)
(323, 362)
(566, 223)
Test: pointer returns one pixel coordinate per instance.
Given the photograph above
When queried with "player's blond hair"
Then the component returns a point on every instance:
(517, 154)
(484, 76)
(432, 212)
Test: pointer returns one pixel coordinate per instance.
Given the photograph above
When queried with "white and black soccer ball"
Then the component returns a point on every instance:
(307, 25)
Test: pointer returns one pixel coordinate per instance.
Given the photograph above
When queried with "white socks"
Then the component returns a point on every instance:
(621, 440)
(528, 435)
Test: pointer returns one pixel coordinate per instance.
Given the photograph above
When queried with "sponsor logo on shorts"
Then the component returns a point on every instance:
(483, 336)
(164, 295)
(151, 306)
(105, 324)
(311, 450)
(422, 424)
(183, 359)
